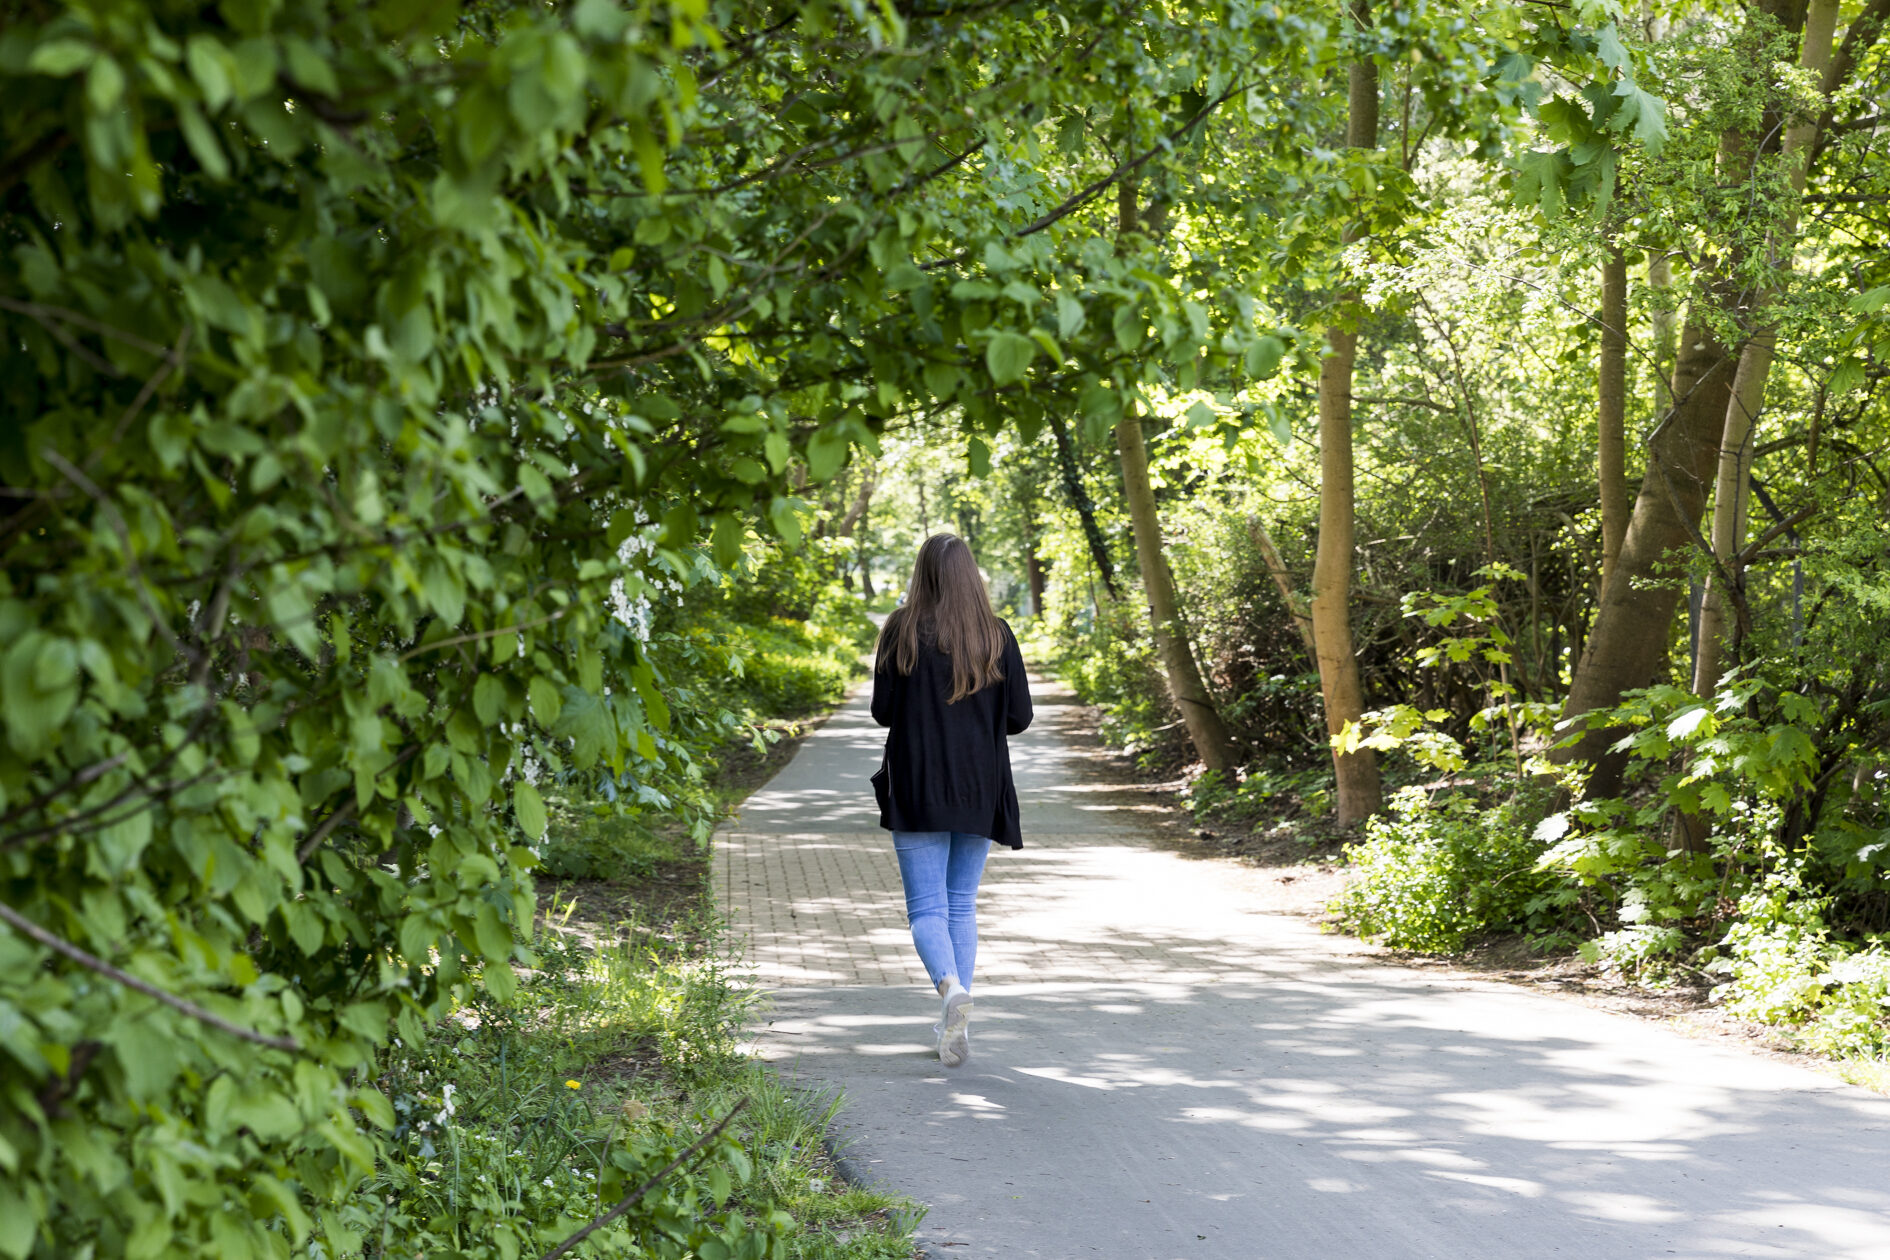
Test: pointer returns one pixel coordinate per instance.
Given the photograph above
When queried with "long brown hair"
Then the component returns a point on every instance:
(947, 606)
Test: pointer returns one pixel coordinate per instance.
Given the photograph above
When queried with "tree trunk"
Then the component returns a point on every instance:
(1080, 502)
(1276, 568)
(1205, 729)
(1203, 720)
(1033, 564)
(1665, 322)
(1733, 483)
(858, 511)
(1359, 794)
(1628, 639)
(1611, 409)
(865, 555)
(1632, 625)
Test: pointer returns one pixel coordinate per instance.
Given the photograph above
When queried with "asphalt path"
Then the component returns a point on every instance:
(1164, 1069)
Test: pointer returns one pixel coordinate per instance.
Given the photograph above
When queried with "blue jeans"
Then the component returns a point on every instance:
(940, 870)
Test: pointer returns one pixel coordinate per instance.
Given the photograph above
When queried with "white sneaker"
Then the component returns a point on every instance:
(954, 1027)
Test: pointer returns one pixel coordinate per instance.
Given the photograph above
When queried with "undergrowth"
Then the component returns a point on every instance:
(519, 1121)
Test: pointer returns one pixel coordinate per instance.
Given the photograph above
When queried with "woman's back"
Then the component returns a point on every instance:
(946, 756)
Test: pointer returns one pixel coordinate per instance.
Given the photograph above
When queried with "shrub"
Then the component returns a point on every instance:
(1784, 965)
(1434, 873)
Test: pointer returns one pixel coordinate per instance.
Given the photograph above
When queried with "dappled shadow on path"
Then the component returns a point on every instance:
(1161, 1071)
(1356, 1112)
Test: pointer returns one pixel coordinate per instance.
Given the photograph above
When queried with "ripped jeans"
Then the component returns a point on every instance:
(940, 870)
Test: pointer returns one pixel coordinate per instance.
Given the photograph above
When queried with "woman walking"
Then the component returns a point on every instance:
(949, 682)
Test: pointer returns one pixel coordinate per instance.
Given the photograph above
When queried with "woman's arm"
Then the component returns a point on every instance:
(1017, 710)
(883, 694)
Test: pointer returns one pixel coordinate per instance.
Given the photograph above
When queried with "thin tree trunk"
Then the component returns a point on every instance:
(1733, 485)
(1205, 729)
(1082, 504)
(1633, 623)
(1276, 569)
(1033, 563)
(855, 513)
(1628, 640)
(1665, 322)
(1359, 794)
(1611, 409)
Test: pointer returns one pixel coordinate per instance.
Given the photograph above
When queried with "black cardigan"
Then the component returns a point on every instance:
(948, 766)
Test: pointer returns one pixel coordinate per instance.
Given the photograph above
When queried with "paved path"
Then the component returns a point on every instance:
(1161, 1072)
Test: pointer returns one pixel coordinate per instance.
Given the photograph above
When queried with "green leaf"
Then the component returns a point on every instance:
(444, 593)
(978, 457)
(588, 724)
(19, 1222)
(1262, 357)
(1609, 48)
(1129, 327)
(104, 85)
(202, 141)
(1698, 719)
(826, 452)
(1007, 357)
(212, 67)
(500, 981)
(60, 57)
(488, 699)
(726, 539)
(38, 690)
(786, 520)
(547, 700)
(1070, 316)
(529, 808)
(1647, 113)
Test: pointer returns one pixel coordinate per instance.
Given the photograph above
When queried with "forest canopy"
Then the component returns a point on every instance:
(1462, 423)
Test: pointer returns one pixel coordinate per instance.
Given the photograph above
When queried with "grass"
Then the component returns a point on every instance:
(519, 1121)
(509, 1118)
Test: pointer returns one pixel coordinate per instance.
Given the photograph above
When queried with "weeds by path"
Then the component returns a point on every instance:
(517, 1123)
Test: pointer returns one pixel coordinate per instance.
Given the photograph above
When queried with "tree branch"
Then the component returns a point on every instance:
(91, 962)
(645, 1188)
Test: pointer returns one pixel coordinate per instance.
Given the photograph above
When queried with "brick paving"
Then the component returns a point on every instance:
(811, 887)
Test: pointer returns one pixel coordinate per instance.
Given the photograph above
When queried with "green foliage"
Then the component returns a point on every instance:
(1740, 771)
(1438, 871)
(1258, 794)
(1783, 964)
(519, 1121)
(1114, 666)
(593, 842)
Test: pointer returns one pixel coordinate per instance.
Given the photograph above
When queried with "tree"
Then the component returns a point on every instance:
(1632, 623)
(1358, 793)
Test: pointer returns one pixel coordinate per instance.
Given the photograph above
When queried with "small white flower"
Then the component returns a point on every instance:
(446, 1097)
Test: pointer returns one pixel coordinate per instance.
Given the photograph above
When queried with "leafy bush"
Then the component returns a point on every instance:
(583, 843)
(1115, 668)
(1784, 965)
(1434, 873)
(519, 1121)
(1259, 793)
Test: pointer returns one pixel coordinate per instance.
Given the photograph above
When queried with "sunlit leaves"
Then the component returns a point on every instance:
(1007, 356)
